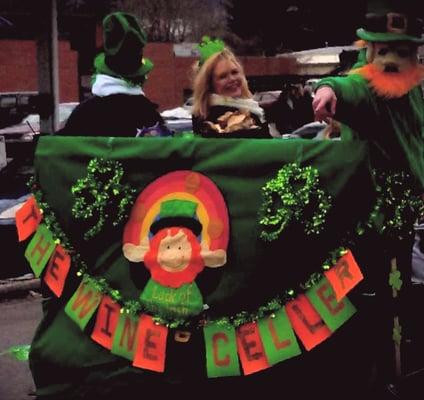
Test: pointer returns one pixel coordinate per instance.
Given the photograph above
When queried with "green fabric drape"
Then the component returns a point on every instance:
(64, 360)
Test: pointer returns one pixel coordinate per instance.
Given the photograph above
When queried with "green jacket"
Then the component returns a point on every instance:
(394, 127)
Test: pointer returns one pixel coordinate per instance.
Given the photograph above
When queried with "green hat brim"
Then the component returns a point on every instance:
(386, 36)
(102, 68)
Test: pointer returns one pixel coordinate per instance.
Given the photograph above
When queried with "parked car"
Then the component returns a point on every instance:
(18, 138)
(30, 125)
(179, 119)
(14, 106)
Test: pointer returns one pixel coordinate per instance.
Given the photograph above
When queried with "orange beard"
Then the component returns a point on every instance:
(391, 84)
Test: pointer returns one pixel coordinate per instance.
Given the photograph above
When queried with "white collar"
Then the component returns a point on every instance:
(105, 85)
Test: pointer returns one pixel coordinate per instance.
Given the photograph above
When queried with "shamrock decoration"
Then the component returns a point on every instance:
(397, 207)
(293, 195)
(209, 47)
(395, 281)
(100, 197)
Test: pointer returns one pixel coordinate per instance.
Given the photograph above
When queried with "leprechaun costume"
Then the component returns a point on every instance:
(382, 102)
(386, 107)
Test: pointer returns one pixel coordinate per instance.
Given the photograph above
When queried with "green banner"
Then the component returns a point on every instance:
(182, 302)
(39, 249)
(239, 169)
(278, 337)
(333, 313)
(248, 279)
(221, 351)
(125, 337)
(83, 304)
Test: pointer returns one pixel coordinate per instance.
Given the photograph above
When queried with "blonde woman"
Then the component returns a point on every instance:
(222, 102)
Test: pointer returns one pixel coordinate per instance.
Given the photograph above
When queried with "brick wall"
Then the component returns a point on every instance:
(165, 86)
(18, 68)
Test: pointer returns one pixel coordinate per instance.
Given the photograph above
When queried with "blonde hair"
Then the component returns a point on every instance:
(202, 82)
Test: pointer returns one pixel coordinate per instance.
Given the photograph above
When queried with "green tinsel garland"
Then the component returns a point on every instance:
(397, 207)
(50, 220)
(293, 195)
(100, 197)
(136, 307)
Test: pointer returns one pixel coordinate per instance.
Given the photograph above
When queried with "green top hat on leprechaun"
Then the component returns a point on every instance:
(176, 213)
(123, 44)
(393, 20)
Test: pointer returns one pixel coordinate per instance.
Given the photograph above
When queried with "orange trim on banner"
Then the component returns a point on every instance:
(57, 270)
(250, 348)
(106, 322)
(306, 322)
(28, 217)
(151, 348)
(344, 276)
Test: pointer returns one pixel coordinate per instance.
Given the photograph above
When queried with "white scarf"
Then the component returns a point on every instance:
(242, 104)
(105, 85)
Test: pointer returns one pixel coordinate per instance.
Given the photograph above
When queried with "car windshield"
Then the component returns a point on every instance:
(31, 123)
(65, 110)
(31, 119)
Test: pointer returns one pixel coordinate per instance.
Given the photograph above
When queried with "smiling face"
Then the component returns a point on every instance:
(227, 79)
(174, 253)
(174, 257)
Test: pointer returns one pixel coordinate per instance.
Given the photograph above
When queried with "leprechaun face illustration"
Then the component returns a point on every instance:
(173, 254)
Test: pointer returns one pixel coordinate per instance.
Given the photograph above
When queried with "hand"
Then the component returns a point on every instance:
(324, 104)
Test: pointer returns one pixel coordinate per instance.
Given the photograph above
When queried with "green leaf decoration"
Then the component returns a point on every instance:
(207, 47)
(394, 280)
(100, 197)
(397, 205)
(293, 195)
(19, 352)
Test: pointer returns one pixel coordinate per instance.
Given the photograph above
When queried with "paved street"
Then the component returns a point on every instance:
(18, 320)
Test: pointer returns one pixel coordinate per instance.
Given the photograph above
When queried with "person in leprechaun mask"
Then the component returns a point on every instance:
(382, 100)
(174, 257)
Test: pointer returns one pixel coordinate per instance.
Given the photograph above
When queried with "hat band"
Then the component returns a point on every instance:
(393, 23)
(186, 222)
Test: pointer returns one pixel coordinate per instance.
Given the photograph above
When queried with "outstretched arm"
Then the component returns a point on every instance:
(324, 104)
